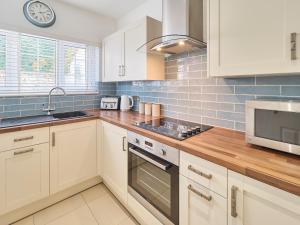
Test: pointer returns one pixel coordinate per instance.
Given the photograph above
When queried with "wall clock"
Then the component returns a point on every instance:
(39, 13)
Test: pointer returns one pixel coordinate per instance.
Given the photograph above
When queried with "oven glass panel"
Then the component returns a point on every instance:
(278, 126)
(158, 187)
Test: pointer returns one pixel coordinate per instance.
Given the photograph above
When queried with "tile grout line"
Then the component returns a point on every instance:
(90, 208)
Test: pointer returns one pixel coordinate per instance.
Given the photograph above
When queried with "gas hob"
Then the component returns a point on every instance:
(173, 128)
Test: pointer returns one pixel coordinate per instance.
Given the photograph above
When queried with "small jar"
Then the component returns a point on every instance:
(148, 109)
(155, 110)
(142, 108)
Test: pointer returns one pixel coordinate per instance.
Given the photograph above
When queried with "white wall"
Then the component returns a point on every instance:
(72, 23)
(152, 8)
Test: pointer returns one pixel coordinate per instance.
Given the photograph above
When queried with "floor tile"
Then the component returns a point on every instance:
(80, 216)
(26, 221)
(108, 211)
(129, 221)
(94, 193)
(60, 209)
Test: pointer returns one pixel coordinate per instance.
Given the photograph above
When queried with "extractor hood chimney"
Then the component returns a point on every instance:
(184, 28)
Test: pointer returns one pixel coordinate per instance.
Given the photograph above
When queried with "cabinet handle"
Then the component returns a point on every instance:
(124, 139)
(53, 139)
(207, 176)
(293, 46)
(208, 198)
(23, 151)
(123, 70)
(23, 139)
(120, 70)
(234, 190)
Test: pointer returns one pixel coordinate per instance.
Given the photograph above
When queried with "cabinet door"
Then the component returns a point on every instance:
(73, 154)
(135, 61)
(113, 57)
(254, 203)
(24, 176)
(199, 205)
(253, 37)
(114, 149)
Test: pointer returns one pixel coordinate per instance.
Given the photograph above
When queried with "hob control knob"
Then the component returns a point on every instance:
(137, 141)
(163, 152)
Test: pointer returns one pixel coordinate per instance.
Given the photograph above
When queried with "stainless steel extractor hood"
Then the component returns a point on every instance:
(184, 28)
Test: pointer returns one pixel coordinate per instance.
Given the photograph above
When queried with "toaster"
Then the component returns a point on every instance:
(110, 102)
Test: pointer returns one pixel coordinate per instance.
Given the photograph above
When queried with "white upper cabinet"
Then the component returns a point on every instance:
(73, 154)
(253, 37)
(122, 61)
(113, 57)
(251, 202)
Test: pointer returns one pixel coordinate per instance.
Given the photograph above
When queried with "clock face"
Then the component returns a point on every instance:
(39, 13)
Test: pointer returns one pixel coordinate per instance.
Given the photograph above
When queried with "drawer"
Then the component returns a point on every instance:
(24, 138)
(208, 174)
(199, 205)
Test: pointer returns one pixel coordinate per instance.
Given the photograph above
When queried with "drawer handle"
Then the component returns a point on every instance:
(233, 201)
(23, 139)
(24, 151)
(208, 198)
(207, 176)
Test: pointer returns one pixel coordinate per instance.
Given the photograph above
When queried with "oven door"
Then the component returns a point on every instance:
(154, 183)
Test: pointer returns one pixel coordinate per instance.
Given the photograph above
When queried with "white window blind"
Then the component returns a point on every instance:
(33, 65)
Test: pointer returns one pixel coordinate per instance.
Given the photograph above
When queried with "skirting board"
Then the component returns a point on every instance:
(46, 202)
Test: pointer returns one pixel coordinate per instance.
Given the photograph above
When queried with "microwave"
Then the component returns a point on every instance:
(274, 123)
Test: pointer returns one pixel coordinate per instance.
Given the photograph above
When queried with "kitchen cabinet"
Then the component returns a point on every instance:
(208, 174)
(254, 203)
(113, 57)
(253, 37)
(114, 159)
(199, 205)
(122, 61)
(24, 176)
(73, 154)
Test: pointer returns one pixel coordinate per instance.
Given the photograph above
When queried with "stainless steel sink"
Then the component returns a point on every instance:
(68, 115)
(18, 121)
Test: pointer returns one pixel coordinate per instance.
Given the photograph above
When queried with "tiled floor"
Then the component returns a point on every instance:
(95, 206)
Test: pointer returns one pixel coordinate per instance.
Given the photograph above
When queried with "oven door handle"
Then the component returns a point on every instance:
(148, 159)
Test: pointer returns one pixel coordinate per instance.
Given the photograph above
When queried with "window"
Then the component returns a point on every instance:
(33, 65)
(2, 59)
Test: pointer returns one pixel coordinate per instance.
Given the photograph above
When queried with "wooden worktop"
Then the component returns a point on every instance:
(221, 146)
(226, 148)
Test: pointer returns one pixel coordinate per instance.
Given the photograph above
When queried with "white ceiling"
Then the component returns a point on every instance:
(111, 8)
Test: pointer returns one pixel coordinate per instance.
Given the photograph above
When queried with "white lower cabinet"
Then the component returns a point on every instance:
(251, 202)
(24, 176)
(73, 154)
(199, 205)
(114, 159)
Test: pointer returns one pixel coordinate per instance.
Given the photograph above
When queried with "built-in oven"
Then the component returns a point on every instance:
(153, 177)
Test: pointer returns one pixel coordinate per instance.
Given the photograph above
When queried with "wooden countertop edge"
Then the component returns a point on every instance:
(202, 151)
(260, 174)
(47, 124)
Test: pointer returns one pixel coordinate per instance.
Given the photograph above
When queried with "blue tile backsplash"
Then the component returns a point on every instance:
(189, 94)
(33, 105)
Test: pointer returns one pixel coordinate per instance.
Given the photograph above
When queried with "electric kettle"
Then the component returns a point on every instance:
(126, 103)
